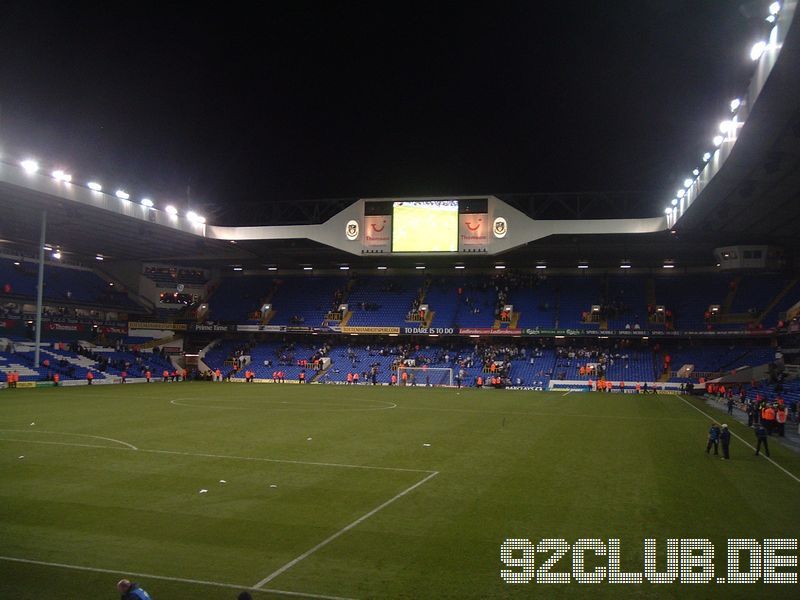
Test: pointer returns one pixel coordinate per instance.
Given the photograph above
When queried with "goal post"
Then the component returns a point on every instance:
(425, 376)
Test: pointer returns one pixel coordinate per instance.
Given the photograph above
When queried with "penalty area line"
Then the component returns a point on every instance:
(741, 439)
(166, 578)
(341, 532)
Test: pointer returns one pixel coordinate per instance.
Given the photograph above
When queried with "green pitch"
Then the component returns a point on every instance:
(336, 491)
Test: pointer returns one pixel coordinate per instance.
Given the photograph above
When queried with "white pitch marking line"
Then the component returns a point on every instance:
(568, 392)
(97, 437)
(295, 405)
(342, 531)
(165, 578)
(223, 456)
(542, 414)
(740, 439)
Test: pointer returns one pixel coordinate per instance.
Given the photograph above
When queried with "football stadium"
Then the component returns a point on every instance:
(491, 395)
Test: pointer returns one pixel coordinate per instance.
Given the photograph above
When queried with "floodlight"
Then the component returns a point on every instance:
(757, 50)
(122, 195)
(674, 202)
(94, 186)
(681, 193)
(774, 8)
(687, 183)
(718, 139)
(30, 166)
(147, 202)
(726, 126)
(707, 157)
(696, 172)
(171, 210)
(735, 104)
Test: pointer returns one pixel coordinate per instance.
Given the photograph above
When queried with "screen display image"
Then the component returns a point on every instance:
(425, 226)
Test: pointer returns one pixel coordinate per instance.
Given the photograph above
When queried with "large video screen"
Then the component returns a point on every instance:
(430, 226)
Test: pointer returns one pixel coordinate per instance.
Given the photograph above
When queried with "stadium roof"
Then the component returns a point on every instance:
(753, 198)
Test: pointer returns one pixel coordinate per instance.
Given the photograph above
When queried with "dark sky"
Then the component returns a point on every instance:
(253, 102)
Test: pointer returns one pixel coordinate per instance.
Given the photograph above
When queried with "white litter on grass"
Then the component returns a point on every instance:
(222, 481)
(427, 445)
(309, 439)
(272, 485)
(33, 423)
(20, 457)
(203, 491)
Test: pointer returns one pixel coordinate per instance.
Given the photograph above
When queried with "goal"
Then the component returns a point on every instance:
(425, 376)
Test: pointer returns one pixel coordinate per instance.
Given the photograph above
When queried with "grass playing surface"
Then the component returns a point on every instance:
(334, 491)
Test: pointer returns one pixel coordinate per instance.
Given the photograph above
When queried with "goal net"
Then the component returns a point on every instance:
(424, 376)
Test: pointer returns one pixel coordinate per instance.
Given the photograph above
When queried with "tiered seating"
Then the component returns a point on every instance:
(62, 285)
(444, 299)
(383, 301)
(790, 392)
(309, 298)
(237, 298)
(713, 359)
(22, 363)
(476, 305)
(689, 296)
(576, 296)
(167, 277)
(537, 305)
(627, 294)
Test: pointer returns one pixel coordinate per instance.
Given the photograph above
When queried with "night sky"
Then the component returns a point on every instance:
(332, 100)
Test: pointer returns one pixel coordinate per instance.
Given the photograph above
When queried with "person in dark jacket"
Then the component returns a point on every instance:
(761, 436)
(713, 439)
(725, 440)
(131, 591)
(730, 404)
